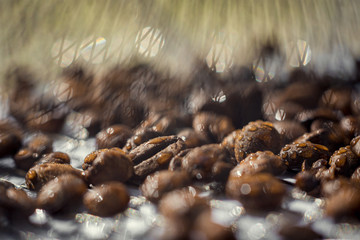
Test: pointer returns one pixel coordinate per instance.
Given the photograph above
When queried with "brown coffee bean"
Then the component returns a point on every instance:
(355, 177)
(289, 130)
(332, 187)
(344, 204)
(307, 181)
(350, 125)
(205, 227)
(161, 182)
(261, 162)
(113, 136)
(256, 192)
(142, 135)
(61, 191)
(107, 165)
(55, 157)
(331, 137)
(199, 162)
(182, 204)
(40, 144)
(295, 154)
(107, 199)
(344, 161)
(192, 138)
(10, 143)
(175, 163)
(355, 146)
(159, 160)
(39, 175)
(211, 126)
(229, 142)
(257, 136)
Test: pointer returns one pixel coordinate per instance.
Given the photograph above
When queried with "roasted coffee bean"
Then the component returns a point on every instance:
(332, 187)
(25, 158)
(40, 144)
(307, 181)
(350, 125)
(257, 136)
(256, 192)
(15, 200)
(175, 163)
(229, 141)
(9, 143)
(107, 199)
(321, 163)
(332, 138)
(289, 130)
(37, 146)
(355, 146)
(113, 136)
(192, 138)
(142, 135)
(61, 191)
(199, 162)
(107, 165)
(166, 123)
(159, 160)
(182, 204)
(175, 229)
(39, 175)
(344, 204)
(355, 177)
(326, 115)
(161, 182)
(150, 148)
(344, 161)
(260, 162)
(337, 98)
(299, 233)
(211, 126)
(294, 154)
(204, 227)
(55, 157)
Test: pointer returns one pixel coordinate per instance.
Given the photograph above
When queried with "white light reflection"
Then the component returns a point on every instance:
(264, 69)
(64, 52)
(299, 54)
(149, 41)
(93, 50)
(219, 57)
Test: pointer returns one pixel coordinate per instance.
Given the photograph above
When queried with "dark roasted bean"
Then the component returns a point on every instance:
(113, 136)
(257, 136)
(200, 161)
(211, 126)
(55, 157)
(158, 161)
(260, 162)
(175, 163)
(60, 192)
(229, 141)
(307, 181)
(107, 165)
(161, 182)
(140, 136)
(184, 204)
(344, 204)
(289, 130)
(296, 153)
(344, 161)
(192, 138)
(107, 199)
(350, 125)
(39, 175)
(256, 192)
(355, 146)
